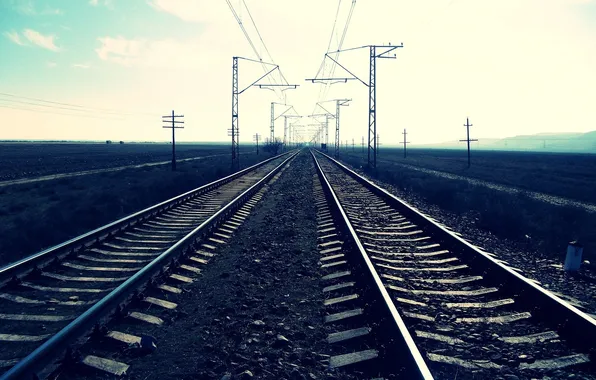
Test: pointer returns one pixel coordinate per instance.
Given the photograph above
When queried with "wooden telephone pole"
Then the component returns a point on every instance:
(174, 127)
(405, 142)
(468, 140)
(256, 138)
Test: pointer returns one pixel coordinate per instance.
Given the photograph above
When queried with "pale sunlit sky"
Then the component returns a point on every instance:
(513, 66)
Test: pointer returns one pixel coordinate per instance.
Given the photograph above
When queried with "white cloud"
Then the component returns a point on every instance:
(51, 64)
(106, 3)
(46, 42)
(80, 66)
(189, 10)
(149, 53)
(14, 37)
(27, 7)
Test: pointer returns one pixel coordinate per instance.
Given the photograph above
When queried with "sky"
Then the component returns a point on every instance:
(109, 69)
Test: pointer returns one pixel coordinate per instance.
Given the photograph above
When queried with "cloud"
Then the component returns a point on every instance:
(120, 50)
(150, 53)
(46, 42)
(27, 7)
(80, 66)
(51, 64)
(14, 37)
(106, 3)
(187, 10)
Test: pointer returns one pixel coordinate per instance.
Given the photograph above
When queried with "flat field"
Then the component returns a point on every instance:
(521, 216)
(36, 215)
(21, 160)
(567, 175)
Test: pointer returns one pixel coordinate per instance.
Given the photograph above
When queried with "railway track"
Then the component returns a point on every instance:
(51, 299)
(414, 300)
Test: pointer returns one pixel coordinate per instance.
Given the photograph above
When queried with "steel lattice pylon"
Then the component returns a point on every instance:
(372, 109)
(372, 93)
(337, 130)
(235, 130)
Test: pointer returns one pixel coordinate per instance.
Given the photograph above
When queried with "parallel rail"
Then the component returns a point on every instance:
(52, 348)
(410, 358)
(574, 326)
(23, 266)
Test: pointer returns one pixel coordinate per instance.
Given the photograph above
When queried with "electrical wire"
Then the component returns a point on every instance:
(74, 107)
(339, 46)
(322, 66)
(239, 21)
(59, 113)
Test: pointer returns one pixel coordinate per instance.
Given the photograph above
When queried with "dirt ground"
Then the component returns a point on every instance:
(257, 309)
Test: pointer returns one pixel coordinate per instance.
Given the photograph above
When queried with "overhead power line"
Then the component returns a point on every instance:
(67, 106)
(271, 79)
(59, 113)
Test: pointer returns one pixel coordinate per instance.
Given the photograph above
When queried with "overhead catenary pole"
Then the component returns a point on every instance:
(173, 122)
(372, 93)
(338, 103)
(468, 139)
(235, 131)
(287, 128)
(372, 108)
(272, 129)
(235, 127)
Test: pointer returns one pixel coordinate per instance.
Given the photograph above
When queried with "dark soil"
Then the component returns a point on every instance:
(28, 159)
(568, 175)
(257, 309)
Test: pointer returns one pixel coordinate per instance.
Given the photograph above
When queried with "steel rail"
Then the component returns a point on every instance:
(417, 366)
(575, 326)
(27, 367)
(21, 267)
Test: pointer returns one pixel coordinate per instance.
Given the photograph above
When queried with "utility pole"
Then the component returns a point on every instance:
(362, 144)
(235, 131)
(405, 142)
(256, 138)
(173, 120)
(375, 51)
(352, 144)
(286, 131)
(376, 149)
(272, 129)
(338, 103)
(468, 140)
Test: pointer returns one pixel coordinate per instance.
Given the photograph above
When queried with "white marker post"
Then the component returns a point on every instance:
(574, 256)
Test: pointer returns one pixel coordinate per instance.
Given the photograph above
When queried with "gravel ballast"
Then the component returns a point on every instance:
(256, 311)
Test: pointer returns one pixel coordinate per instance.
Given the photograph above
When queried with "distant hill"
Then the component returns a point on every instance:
(542, 142)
